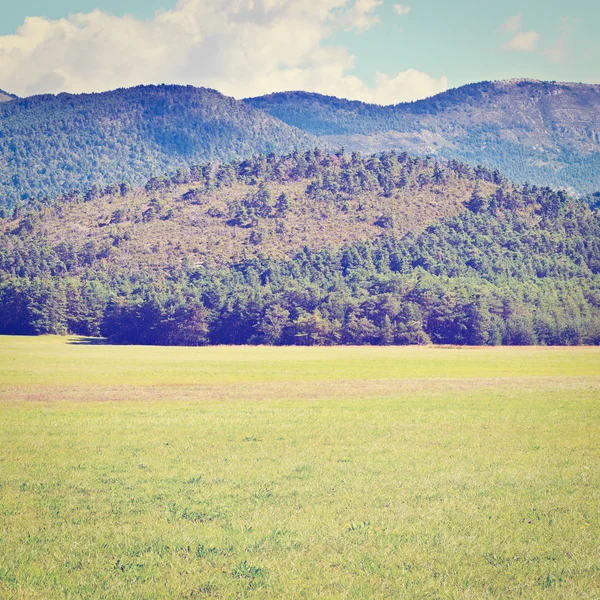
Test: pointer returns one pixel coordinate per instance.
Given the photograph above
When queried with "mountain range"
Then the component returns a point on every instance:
(538, 132)
(541, 132)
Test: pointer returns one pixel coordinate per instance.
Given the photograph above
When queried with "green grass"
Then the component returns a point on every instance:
(298, 472)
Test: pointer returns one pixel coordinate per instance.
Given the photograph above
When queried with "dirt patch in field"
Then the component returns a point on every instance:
(319, 390)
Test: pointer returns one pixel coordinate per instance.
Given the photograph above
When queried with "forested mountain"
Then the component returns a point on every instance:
(53, 144)
(308, 248)
(533, 131)
(544, 133)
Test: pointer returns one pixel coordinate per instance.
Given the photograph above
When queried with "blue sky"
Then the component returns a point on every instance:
(462, 40)
(374, 50)
(14, 14)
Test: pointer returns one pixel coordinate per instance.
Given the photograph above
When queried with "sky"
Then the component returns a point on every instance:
(380, 51)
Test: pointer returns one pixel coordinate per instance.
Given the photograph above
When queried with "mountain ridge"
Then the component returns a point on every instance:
(546, 133)
(6, 97)
(408, 103)
(51, 144)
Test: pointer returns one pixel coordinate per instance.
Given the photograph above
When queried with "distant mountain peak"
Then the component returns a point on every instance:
(517, 80)
(149, 90)
(521, 81)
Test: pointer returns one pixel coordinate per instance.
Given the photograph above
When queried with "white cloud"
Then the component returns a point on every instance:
(524, 40)
(402, 85)
(557, 53)
(362, 15)
(402, 10)
(240, 47)
(512, 25)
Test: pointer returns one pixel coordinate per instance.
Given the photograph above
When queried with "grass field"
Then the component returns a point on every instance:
(298, 472)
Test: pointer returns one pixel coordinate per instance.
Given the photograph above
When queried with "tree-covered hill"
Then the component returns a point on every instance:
(54, 144)
(308, 248)
(263, 206)
(541, 132)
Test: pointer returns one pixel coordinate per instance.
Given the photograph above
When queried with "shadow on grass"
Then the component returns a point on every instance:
(87, 341)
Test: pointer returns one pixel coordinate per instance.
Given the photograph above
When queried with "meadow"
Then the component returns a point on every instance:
(262, 472)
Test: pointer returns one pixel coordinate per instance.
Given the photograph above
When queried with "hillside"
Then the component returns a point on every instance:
(540, 132)
(6, 97)
(308, 248)
(53, 144)
(236, 211)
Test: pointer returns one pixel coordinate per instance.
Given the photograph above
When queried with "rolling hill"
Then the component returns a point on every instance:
(308, 248)
(53, 144)
(221, 213)
(540, 132)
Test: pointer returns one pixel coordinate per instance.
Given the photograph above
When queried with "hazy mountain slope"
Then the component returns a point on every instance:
(6, 97)
(52, 144)
(545, 133)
